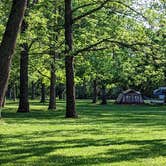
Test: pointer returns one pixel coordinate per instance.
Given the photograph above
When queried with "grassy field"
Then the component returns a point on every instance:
(111, 135)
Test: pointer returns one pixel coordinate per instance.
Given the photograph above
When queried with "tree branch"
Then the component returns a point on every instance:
(132, 9)
(92, 47)
(40, 72)
(91, 11)
(31, 44)
(83, 6)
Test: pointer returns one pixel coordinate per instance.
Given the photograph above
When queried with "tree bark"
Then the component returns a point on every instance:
(4, 101)
(23, 102)
(70, 89)
(8, 43)
(43, 93)
(104, 95)
(69, 62)
(94, 91)
(52, 101)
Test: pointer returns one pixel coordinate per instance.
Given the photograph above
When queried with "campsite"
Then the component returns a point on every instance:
(82, 83)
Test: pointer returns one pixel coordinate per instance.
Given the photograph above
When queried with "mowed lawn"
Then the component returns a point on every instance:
(112, 135)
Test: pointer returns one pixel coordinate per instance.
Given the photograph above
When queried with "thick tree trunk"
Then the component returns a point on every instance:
(8, 43)
(70, 89)
(104, 95)
(94, 91)
(23, 102)
(43, 93)
(4, 101)
(52, 101)
(69, 63)
(33, 91)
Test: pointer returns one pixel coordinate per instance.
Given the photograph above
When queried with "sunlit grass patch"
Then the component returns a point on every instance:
(113, 135)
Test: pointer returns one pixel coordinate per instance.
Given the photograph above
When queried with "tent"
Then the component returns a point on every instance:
(130, 96)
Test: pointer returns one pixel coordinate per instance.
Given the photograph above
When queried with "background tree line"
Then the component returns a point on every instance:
(99, 47)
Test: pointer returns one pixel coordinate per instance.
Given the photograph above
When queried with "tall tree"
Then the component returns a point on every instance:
(69, 62)
(23, 99)
(24, 60)
(8, 43)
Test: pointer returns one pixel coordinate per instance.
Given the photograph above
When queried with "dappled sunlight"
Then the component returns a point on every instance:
(101, 135)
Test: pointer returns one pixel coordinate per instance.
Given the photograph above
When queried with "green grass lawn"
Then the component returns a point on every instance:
(113, 135)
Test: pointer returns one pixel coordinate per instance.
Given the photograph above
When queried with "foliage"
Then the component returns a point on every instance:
(121, 44)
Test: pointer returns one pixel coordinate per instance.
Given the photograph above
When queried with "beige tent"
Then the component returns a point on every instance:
(130, 96)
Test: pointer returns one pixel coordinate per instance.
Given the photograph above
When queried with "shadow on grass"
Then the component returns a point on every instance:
(42, 150)
(24, 146)
(93, 114)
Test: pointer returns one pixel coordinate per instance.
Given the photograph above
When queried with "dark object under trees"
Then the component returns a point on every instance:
(8, 43)
(69, 62)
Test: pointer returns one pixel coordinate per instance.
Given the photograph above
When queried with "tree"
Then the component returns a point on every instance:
(8, 43)
(24, 60)
(69, 62)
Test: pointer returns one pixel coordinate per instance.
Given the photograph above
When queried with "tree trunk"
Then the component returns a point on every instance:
(9, 92)
(16, 87)
(8, 43)
(33, 91)
(43, 93)
(84, 90)
(70, 89)
(94, 91)
(14, 92)
(104, 95)
(4, 101)
(52, 101)
(23, 102)
(69, 63)
(60, 91)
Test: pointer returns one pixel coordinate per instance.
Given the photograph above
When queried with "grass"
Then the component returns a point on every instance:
(112, 135)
